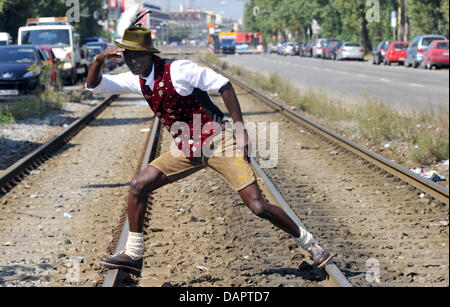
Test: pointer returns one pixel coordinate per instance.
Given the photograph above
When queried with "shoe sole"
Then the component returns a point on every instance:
(323, 263)
(120, 266)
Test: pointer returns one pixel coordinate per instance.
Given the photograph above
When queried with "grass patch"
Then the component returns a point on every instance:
(76, 96)
(426, 131)
(5, 116)
(33, 107)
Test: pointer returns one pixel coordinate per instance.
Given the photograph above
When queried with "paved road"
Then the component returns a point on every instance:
(352, 81)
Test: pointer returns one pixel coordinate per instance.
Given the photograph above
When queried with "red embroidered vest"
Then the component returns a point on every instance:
(172, 108)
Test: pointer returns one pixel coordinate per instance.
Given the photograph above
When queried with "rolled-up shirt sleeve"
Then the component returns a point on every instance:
(125, 83)
(187, 75)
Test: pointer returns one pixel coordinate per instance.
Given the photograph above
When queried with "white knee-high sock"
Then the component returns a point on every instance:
(305, 240)
(135, 245)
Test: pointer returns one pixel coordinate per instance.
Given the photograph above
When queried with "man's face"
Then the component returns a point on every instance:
(139, 62)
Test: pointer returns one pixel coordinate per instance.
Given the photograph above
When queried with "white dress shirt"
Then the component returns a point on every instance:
(186, 76)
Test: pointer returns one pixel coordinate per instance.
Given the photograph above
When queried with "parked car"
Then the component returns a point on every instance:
(280, 47)
(20, 70)
(289, 49)
(272, 48)
(50, 57)
(302, 51)
(334, 50)
(308, 51)
(5, 39)
(91, 53)
(350, 50)
(94, 39)
(329, 44)
(318, 48)
(436, 55)
(93, 48)
(396, 53)
(418, 46)
(297, 47)
(379, 52)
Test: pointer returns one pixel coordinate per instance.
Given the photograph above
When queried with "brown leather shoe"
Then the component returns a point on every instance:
(319, 255)
(122, 261)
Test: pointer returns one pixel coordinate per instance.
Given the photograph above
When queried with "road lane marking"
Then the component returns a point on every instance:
(415, 85)
(385, 80)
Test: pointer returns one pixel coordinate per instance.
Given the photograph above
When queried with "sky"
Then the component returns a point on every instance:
(227, 8)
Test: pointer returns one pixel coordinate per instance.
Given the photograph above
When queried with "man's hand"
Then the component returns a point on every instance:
(232, 104)
(246, 147)
(110, 52)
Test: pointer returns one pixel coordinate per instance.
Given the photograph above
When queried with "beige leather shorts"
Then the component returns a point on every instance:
(223, 156)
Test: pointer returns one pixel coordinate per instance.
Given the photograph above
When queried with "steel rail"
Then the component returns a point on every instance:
(336, 277)
(113, 276)
(425, 185)
(22, 167)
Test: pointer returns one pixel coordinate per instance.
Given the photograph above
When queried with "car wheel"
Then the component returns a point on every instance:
(415, 64)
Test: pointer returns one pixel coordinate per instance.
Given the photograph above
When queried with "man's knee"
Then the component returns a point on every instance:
(138, 185)
(259, 208)
(145, 182)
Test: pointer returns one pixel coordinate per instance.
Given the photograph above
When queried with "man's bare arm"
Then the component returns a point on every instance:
(95, 72)
(231, 102)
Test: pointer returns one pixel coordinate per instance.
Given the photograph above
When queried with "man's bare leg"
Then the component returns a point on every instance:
(147, 181)
(254, 200)
(142, 185)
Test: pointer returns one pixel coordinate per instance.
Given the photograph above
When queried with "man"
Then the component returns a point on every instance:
(176, 92)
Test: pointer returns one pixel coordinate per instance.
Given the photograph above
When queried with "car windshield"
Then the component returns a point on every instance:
(52, 37)
(46, 52)
(352, 45)
(17, 55)
(427, 40)
(95, 51)
(228, 41)
(400, 46)
(102, 46)
(442, 46)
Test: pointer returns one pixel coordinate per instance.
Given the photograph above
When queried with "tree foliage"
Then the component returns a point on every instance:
(14, 13)
(347, 20)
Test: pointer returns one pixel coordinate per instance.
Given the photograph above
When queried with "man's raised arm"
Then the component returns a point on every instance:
(95, 72)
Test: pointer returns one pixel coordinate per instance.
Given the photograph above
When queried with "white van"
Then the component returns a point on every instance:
(57, 33)
(5, 39)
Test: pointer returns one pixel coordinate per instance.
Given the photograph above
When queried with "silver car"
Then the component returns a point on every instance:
(350, 50)
(289, 49)
(318, 47)
(418, 47)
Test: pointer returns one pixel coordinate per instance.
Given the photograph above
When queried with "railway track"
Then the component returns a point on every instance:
(425, 185)
(372, 212)
(56, 222)
(118, 278)
(387, 237)
(22, 168)
(384, 226)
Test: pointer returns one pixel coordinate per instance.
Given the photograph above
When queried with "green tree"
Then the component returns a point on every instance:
(347, 20)
(428, 16)
(14, 14)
